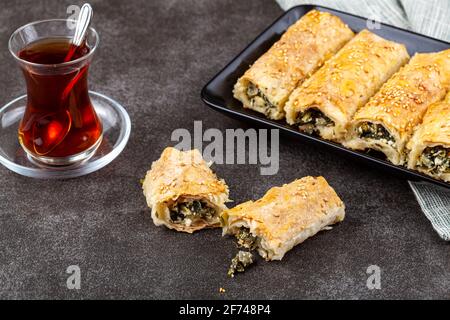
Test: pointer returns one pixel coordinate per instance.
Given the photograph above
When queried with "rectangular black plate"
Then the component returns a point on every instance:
(218, 92)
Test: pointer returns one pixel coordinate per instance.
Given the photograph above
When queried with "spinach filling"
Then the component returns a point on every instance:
(243, 259)
(313, 118)
(191, 211)
(435, 159)
(369, 130)
(238, 264)
(258, 99)
(245, 239)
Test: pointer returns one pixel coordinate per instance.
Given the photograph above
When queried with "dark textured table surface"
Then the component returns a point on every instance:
(155, 56)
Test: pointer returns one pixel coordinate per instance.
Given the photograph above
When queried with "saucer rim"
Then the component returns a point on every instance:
(83, 169)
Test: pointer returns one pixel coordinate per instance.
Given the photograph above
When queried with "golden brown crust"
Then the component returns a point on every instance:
(302, 49)
(347, 81)
(435, 127)
(434, 131)
(179, 176)
(402, 101)
(287, 215)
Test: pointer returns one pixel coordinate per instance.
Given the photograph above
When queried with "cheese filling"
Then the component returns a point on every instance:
(435, 160)
(190, 212)
(375, 131)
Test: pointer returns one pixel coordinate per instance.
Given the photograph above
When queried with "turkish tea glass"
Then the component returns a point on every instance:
(60, 126)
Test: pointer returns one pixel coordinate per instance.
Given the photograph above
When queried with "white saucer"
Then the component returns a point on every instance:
(116, 132)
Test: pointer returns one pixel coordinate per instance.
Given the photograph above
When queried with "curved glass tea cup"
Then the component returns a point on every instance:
(60, 126)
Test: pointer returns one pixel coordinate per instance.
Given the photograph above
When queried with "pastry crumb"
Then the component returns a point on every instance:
(222, 290)
(238, 264)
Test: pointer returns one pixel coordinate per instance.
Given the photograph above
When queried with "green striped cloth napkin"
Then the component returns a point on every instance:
(429, 17)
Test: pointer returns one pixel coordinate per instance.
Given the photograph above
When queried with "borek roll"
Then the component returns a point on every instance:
(284, 217)
(326, 102)
(183, 192)
(302, 49)
(387, 121)
(429, 148)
